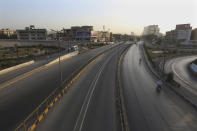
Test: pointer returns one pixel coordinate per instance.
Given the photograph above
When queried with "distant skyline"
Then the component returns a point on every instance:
(120, 16)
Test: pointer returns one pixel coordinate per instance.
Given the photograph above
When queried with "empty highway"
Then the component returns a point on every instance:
(19, 99)
(90, 104)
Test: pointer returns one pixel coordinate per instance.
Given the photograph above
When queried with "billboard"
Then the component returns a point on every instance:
(94, 34)
(83, 34)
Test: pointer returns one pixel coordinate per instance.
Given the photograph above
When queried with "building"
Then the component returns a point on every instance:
(171, 35)
(181, 33)
(7, 32)
(77, 33)
(117, 37)
(132, 34)
(31, 33)
(83, 35)
(103, 36)
(68, 34)
(151, 30)
(94, 36)
(86, 28)
(194, 34)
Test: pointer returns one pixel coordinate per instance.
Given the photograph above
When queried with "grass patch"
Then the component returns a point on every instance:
(92, 46)
(10, 63)
(16, 55)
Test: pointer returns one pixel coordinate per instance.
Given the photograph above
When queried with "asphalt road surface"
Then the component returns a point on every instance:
(90, 103)
(18, 100)
(182, 74)
(146, 109)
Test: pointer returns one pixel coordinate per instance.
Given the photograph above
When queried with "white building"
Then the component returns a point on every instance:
(151, 30)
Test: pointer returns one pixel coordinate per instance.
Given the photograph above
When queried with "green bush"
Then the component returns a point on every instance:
(169, 77)
(195, 61)
(174, 52)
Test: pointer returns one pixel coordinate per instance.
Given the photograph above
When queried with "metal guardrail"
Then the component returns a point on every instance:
(31, 122)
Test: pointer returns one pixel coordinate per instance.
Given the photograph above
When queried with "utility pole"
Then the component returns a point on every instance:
(59, 50)
(60, 68)
(164, 60)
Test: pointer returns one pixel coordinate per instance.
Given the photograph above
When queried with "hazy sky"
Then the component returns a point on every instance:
(121, 16)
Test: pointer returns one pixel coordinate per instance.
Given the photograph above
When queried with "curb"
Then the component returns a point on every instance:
(179, 77)
(120, 100)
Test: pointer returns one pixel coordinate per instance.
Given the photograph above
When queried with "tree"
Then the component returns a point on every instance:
(3, 36)
(14, 36)
(169, 77)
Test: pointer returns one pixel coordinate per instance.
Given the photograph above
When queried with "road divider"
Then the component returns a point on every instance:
(64, 57)
(32, 121)
(16, 67)
(119, 94)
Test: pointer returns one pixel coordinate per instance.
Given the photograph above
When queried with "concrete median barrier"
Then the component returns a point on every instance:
(63, 58)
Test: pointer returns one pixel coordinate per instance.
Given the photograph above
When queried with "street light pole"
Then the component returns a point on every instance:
(163, 57)
(60, 61)
(59, 50)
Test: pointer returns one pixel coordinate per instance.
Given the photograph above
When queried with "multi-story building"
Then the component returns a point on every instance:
(31, 33)
(103, 36)
(151, 30)
(86, 28)
(77, 33)
(132, 34)
(83, 35)
(181, 33)
(117, 37)
(194, 34)
(68, 34)
(171, 35)
(7, 32)
(94, 36)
